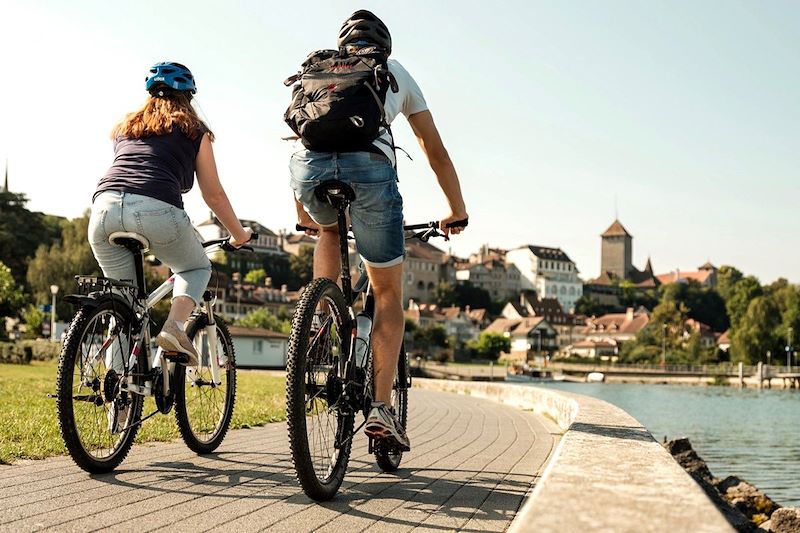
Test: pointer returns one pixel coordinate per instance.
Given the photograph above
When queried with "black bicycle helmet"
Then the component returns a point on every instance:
(364, 26)
(171, 75)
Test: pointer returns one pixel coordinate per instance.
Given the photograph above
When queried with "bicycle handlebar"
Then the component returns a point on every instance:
(225, 244)
(435, 225)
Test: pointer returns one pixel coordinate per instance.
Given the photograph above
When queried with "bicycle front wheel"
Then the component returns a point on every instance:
(320, 335)
(97, 419)
(203, 408)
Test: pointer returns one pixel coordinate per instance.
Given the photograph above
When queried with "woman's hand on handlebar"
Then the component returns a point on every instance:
(454, 223)
(241, 239)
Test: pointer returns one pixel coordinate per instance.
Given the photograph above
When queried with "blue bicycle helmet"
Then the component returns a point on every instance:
(170, 75)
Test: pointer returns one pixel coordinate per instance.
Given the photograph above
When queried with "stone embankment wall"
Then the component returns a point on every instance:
(607, 472)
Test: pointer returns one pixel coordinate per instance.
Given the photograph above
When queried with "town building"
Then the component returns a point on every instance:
(569, 328)
(267, 247)
(617, 327)
(705, 275)
(530, 337)
(259, 348)
(292, 243)
(422, 270)
(501, 280)
(616, 265)
(548, 271)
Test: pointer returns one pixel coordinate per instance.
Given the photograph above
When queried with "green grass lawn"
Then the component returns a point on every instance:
(29, 427)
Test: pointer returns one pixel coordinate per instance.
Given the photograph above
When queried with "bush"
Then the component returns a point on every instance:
(23, 352)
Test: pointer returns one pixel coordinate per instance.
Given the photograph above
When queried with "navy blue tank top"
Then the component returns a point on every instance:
(161, 167)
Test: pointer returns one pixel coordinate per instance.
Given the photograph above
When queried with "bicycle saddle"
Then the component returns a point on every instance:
(127, 239)
(334, 192)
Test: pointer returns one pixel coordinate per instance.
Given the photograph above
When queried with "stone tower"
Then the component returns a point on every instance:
(616, 251)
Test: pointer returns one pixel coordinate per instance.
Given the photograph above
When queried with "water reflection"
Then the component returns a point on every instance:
(754, 434)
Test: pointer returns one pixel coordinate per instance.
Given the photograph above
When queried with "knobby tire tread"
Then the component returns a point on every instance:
(295, 393)
(64, 382)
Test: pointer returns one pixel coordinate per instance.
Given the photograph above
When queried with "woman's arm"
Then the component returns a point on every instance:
(214, 195)
(431, 143)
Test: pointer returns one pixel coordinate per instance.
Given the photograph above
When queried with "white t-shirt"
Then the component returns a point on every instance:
(407, 100)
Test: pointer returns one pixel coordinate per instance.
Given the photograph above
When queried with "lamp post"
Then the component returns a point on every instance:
(237, 278)
(789, 349)
(53, 291)
(664, 346)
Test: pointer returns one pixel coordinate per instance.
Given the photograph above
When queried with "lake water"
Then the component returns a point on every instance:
(752, 434)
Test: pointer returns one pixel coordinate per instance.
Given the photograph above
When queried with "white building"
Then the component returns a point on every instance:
(548, 271)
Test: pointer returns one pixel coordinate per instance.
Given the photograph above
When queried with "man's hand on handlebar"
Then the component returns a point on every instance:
(307, 225)
(455, 224)
(243, 239)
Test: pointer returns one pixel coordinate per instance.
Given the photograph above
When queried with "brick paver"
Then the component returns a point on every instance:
(473, 461)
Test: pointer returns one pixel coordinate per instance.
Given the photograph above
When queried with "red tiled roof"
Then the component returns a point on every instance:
(616, 229)
(617, 323)
(678, 276)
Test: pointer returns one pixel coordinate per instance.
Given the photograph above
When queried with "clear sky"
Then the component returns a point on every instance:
(683, 114)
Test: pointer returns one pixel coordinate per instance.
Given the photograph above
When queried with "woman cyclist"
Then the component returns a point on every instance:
(157, 152)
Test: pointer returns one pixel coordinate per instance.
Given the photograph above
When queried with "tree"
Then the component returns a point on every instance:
(256, 277)
(727, 278)
(22, 232)
(433, 335)
(704, 304)
(742, 294)
(301, 267)
(489, 345)
(755, 332)
(59, 263)
(591, 306)
(34, 319)
(445, 295)
(277, 268)
(262, 318)
(11, 297)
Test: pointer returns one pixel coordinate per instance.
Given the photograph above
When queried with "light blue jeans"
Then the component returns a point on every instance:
(173, 240)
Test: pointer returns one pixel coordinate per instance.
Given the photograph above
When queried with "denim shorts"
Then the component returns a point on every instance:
(376, 213)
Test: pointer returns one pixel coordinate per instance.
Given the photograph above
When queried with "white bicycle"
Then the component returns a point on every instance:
(106, 370)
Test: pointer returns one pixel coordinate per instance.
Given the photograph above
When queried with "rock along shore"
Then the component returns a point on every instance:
(743, 505)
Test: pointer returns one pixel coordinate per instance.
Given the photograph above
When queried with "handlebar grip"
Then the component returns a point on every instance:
(300, 227)
(459, 223)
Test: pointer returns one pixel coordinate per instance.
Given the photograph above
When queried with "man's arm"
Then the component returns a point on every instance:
(431, 143)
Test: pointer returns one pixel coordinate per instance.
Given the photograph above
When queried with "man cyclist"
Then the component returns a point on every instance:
(377, 211)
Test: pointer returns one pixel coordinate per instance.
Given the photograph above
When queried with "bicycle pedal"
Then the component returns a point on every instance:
(176, 357)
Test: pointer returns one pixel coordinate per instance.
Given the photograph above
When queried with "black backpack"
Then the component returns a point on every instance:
(337, 100)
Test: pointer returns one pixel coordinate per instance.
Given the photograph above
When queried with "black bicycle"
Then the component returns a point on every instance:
(329, 366)
(105, 370)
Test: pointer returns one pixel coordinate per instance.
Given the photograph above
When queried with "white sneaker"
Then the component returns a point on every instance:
(382, 424)
(174, 339)
(117, 417)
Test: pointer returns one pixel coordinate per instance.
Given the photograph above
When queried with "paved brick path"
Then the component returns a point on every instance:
(473, 461)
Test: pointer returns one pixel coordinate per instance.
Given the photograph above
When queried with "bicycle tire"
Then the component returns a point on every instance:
(195, 325)
(319, 487)
(388, 460)
(65, 398)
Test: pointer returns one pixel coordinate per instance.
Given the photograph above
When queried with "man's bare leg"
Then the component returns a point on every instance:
(388, 327)
(327, 262)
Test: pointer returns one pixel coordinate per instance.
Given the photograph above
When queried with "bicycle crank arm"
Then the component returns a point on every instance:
(90, 398)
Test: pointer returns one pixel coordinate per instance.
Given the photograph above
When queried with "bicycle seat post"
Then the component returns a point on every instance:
(339, 194)
(136, 244)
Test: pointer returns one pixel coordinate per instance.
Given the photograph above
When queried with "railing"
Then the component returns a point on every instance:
(728, 369)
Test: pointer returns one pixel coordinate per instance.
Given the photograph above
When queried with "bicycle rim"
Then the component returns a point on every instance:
(204, 408)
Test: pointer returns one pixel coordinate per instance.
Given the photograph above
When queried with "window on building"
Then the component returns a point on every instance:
(431, 286)
(421, 285)
(258, 346)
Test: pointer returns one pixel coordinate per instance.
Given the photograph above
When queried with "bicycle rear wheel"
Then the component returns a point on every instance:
(91, 408)
(319, 340)
(203, 409)
(389, 458)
